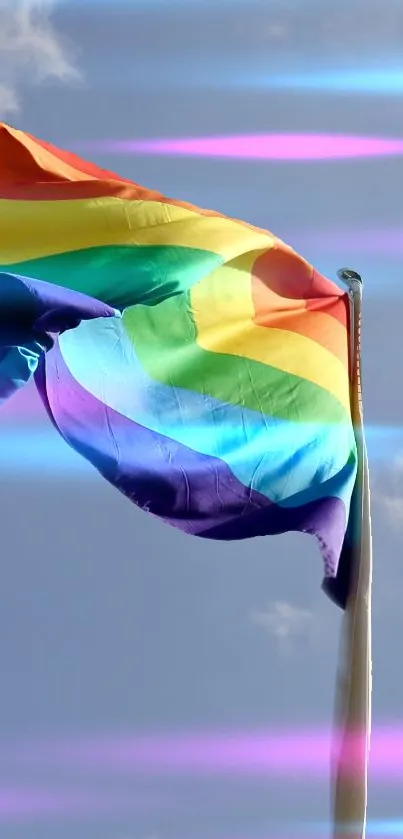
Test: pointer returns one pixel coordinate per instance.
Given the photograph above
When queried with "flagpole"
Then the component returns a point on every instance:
(353, 697)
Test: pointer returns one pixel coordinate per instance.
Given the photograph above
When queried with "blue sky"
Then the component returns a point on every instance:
(110, 622)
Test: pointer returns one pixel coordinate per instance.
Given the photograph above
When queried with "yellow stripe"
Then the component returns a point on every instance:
(223, 310)
(35, 229)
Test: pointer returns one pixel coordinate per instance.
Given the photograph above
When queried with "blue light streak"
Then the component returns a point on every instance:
(41, 453)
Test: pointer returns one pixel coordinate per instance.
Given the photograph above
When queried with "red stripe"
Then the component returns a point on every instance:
(287, 293)
(77, 191)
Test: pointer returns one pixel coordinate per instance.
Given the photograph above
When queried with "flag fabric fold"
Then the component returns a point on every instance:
(31, 311)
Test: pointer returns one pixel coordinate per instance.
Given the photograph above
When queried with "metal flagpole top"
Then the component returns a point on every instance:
(351, 279)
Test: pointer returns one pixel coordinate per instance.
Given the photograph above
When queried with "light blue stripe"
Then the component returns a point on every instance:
(287, 462)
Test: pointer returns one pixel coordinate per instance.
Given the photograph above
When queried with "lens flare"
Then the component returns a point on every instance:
(279, 147)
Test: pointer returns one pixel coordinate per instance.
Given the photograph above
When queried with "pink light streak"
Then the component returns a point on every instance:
(383, 242)
(304, 754)
(24, 405)
(285, 147)
(27, 804)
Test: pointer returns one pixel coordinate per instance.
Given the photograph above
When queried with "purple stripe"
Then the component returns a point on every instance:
(194, 492)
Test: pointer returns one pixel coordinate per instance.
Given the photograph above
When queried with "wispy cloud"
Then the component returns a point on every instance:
(31, 50)
(393, 505)
(283, 620)
(387, 493)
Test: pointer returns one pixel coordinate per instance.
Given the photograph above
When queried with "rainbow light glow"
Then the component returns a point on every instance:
(280, 147)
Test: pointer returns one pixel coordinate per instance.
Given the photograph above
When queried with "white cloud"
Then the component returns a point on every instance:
(283, 620)
(31, 51)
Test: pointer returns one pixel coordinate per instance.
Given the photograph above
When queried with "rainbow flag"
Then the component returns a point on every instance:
(226, 400)
(220, 401)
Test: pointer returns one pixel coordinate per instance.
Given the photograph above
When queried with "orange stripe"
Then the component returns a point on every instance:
(64, 191)
(339, 309)
(23, 160)
(74, 162)
(289, 277)
(281, 302)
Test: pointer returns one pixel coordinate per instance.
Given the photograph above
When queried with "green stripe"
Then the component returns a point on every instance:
(165, 335)
(165, 340)
(123, 275)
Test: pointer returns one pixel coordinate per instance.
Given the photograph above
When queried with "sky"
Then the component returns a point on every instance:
(114, 628)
